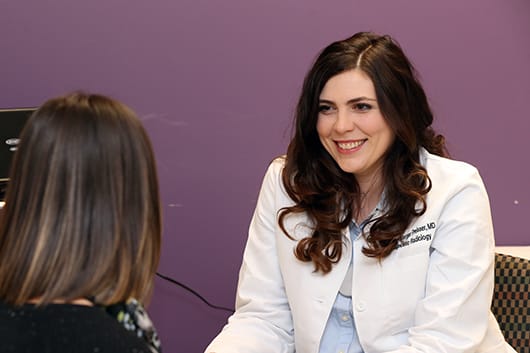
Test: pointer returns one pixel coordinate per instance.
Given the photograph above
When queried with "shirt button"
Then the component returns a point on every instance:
(345, 318)
(360, 306)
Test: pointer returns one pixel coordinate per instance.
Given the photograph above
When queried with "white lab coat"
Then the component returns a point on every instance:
(433, 294)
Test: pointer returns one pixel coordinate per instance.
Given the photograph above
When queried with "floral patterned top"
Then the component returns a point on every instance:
(133, 317)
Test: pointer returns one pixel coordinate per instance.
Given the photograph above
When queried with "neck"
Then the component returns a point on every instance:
(368, 183)
(370, 192)
(78, 301)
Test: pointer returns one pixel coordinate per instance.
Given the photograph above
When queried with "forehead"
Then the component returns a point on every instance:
(348, 85)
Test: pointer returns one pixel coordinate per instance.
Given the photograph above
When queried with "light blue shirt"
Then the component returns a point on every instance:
(340, 334)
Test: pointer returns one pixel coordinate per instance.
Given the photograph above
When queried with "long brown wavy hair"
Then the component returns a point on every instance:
(330, 196)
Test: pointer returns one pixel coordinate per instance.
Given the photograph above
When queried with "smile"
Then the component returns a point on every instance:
(350, 145)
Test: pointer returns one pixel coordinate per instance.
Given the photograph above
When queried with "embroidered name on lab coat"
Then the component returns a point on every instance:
(417, 234)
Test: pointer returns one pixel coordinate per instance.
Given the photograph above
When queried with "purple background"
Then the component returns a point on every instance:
(215, 83)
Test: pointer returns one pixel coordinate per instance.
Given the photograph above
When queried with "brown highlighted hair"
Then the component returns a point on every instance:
(327, 194)
(82, 213)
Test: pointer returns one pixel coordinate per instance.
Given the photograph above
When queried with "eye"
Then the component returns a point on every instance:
(362, 107)
(325, 108)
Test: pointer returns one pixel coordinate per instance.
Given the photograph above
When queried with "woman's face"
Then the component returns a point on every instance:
(350, 125)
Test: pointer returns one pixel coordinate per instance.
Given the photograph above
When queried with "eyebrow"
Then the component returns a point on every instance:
(351, 101)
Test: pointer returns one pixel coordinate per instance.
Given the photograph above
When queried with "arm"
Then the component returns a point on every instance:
(454, 314)
(262, 321)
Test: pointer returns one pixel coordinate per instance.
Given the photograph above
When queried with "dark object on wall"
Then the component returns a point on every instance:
(11, 123)
(511, 300)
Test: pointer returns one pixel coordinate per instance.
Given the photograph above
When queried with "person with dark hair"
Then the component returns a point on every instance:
(80, 232)
(366, 237)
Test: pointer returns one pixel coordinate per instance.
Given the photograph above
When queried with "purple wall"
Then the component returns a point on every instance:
(216, 83)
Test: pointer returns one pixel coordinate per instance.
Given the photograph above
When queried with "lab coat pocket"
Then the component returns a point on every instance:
(404, 280)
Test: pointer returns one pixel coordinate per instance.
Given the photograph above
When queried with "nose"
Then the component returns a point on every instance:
(344, 122)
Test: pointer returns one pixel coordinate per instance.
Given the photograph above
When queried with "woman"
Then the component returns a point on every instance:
(80, 231)
(366, 238)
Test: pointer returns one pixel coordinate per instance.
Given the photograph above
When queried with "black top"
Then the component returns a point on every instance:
(64, 328)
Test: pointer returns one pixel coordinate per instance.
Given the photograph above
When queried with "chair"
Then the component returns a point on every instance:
(511, 300)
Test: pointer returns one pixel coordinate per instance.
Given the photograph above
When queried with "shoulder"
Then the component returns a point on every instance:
(276, 166)
(98, 327)
(273, 175)
(68, 328)
(455, 185)
(273, 194)
(448, 173)
(446, 167)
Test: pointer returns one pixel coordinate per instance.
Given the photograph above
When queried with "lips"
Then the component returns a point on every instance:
(349, 145)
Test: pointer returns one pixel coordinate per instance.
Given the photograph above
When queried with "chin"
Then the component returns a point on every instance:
(348, 169)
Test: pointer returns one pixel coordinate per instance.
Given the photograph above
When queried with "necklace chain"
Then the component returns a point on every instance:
(364, 195)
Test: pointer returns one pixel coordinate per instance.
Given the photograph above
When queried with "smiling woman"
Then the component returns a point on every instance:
(354, 132)
(377, 216)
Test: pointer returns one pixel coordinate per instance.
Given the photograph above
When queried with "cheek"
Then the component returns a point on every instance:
(324, 131)
(323, 127)
(381, 129)
(386, 142)
(389, 136)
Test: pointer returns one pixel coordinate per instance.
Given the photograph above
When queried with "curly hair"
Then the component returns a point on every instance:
(330, 196)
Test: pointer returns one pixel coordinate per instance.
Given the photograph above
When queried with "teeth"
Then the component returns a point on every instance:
(350, 145)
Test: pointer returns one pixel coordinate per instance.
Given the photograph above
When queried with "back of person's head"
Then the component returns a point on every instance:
(82, 212)
(399, 94)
